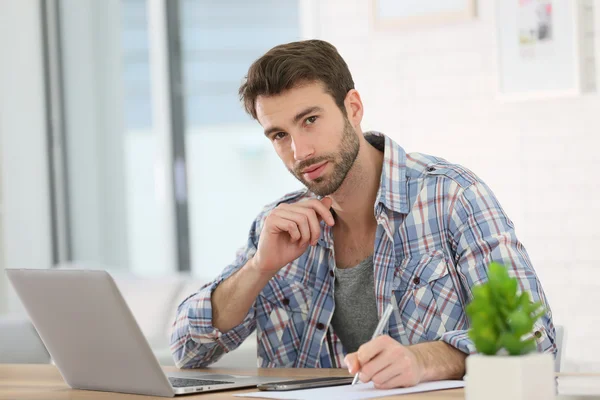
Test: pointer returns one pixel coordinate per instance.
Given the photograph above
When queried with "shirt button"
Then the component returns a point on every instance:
(430, 169)
(331, 273)
(538, 334)
(286, 302)
(417, 280)
(320, 326)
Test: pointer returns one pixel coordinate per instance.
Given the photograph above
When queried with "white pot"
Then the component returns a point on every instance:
(510, 377)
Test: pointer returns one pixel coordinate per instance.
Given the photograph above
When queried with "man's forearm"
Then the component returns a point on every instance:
(232, 299)
(440, 361)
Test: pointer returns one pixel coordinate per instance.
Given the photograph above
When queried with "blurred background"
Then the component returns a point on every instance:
(123, 144)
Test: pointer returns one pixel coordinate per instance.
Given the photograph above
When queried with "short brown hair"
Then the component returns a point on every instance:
(292, 64)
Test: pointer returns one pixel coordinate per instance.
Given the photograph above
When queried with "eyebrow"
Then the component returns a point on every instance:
(296, 118)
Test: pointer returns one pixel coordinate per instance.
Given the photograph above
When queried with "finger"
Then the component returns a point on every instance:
(375, 366)
(313, 221)
(285, 225)
(396, 381)
(386, 375)
(406, 372)
(301, 220)
(322, 211)
(372, 348)
(327, 202)
(352, 363)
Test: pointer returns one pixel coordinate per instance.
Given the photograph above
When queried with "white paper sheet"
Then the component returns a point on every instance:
(348, 392)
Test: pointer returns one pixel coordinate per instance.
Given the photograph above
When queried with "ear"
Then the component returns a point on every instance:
(354, 107)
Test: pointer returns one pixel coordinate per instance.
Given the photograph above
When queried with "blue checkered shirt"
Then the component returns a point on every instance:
(439, 227)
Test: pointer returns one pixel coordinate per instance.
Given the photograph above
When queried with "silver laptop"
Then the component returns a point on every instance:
(95, 341)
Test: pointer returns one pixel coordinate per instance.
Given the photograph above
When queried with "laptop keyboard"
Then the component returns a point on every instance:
(183, 382)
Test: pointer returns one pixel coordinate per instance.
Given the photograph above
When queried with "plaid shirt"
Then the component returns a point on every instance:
(439, 227)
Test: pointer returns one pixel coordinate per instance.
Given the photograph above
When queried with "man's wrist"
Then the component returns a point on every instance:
(257, 272)
(422, 366)
(438, 361)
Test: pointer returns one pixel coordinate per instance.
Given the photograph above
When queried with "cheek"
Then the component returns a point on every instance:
(285, 153)
(328, 138)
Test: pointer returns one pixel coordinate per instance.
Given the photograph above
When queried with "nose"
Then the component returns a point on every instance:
(302, 147)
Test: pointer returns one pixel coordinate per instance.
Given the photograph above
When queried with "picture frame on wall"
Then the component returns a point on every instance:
(407, 14)
(545, 48)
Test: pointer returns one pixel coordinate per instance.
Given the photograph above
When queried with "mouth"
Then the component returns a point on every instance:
(314, 171)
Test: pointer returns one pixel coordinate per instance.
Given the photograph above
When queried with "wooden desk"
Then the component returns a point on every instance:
(33, 381)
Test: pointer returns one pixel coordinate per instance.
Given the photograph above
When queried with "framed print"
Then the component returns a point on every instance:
(414, 13)
(545, 48)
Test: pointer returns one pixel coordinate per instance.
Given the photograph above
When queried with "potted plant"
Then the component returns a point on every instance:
(502, 321)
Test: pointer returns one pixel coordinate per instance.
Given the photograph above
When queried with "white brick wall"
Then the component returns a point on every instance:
(433, 90)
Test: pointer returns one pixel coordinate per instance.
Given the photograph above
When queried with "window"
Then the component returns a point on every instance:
(232, 169)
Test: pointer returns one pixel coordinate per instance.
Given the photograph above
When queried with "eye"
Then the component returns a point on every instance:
(279, 135)
(311, 120)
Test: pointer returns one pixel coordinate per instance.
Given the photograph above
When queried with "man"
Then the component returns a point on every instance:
(374, 225)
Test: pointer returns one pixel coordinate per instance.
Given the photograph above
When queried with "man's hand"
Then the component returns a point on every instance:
(387, 363)
(288, 231)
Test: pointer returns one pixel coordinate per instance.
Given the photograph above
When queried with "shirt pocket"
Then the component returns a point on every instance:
(427, 299)
(286, 309)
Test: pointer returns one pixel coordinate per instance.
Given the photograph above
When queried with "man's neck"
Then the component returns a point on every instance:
(353, 202)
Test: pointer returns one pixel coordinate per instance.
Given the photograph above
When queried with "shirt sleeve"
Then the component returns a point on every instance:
(195, 342)
(481, 232)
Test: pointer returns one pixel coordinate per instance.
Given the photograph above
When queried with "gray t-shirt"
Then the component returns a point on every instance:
(355, 316)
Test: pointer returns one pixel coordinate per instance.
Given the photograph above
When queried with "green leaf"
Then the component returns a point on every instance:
(512, 344)
(529, 346)
(497, 273)
(520, 323)
(524, 300)
(485, 341)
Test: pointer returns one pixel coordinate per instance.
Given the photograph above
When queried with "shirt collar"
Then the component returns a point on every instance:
(393, 186)
(393, 190)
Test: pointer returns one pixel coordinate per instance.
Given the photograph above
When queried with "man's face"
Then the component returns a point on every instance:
(315, 141)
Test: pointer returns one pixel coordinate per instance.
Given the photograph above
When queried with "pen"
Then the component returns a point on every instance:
(379, 330)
